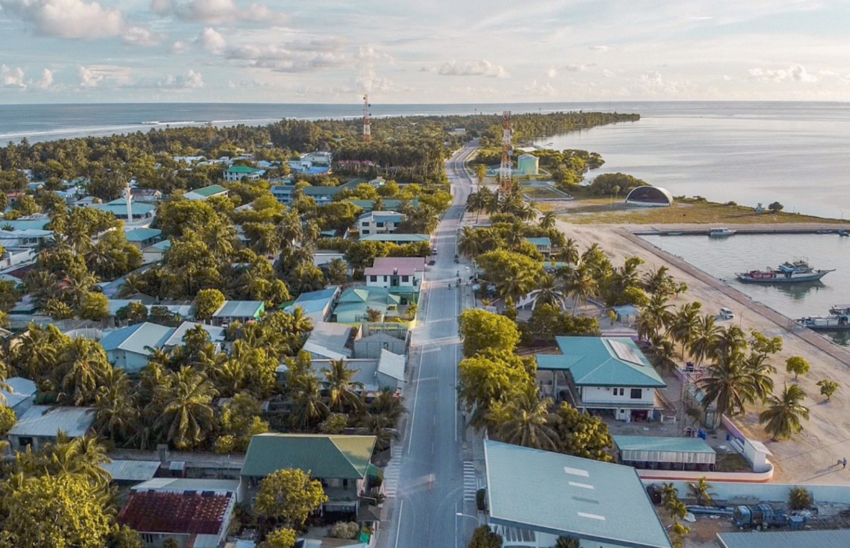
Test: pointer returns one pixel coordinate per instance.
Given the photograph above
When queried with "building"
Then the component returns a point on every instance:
(317, 159)
(177, 334)
(399, 239)
(131, 472)
(341, 463)
(543, 244)
(650, 196)
(389, 204)
(41, 424)
(663, 453)
(238, 311)
(130, 347)
(371, 375)
(143, 237)
(146, 195)
(401, 275)
(354, 304)
(322, 194)
(329, 341)
(316, 305)
(140, 212)
(605, 375)
(206, 193)
(195, 513)
(786, 539)
(24, 239)
(235, 174)
(528, 164)
(379, 222)
(536, 496)
(21, 397)
(371, 346)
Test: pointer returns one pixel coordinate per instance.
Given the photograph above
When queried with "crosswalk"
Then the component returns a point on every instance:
(392, 471)
(470, 482)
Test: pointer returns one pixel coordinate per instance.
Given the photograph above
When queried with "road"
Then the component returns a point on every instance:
(431, 487)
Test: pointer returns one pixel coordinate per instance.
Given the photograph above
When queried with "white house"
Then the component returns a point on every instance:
(128, 348)
(402, 275)
(23, 239)
(234, 174)
(379, 222)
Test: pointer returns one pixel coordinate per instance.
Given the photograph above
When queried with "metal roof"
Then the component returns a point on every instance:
(136, 338)
(47, 421)
(240, 309)
(542, 241)
(655, 443)
(325, 456)
(570, 496)
(602, 361)
(329, 337)
(26, 224)
(121, 209)
(786, 539)
(22, 390)
(314, 301)
(180, 513)
(188, 485)
(396, 238)
(175, 338)
(242, 169)
(389, 266)
(131, 470)
(391, 364)
(142, 234)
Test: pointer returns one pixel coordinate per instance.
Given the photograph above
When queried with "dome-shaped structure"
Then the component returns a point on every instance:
(652, 196)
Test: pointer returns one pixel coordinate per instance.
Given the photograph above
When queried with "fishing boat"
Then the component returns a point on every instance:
(838, 309)
(843, 233)
(720, 232)
(833, 322)
(798, 271)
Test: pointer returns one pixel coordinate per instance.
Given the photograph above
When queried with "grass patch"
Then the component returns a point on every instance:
(542, 193)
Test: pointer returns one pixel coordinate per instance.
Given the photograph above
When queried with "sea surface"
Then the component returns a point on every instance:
(722, 258)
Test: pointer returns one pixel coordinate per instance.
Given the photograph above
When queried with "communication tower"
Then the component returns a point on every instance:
(505, 169)
(367, 123)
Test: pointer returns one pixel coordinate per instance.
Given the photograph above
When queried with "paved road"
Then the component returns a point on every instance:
(430, 487)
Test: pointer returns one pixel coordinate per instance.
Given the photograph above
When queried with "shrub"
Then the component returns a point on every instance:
(799, 498)
(345, 530)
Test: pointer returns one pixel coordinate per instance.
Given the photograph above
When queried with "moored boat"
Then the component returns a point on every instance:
(798, 271)
(833, 322)
(720, 232)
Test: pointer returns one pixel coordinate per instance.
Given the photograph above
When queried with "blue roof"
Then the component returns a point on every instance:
(29, 224)
(656, 443)
(142, 234)
(540, 242)
(136, 338)
(240, 309)
(313, 301)
(786, 539)
(396, 238)
(163, 246)
(602, 361)
(563, 495)
(139, 209)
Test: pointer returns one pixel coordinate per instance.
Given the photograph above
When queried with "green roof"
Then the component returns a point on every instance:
(208, 191)
(396, 238)
(540, 242)
(654, 443)
(242, 169)
(563, 495)
(602, 361)
(142, 234)
(324, 456)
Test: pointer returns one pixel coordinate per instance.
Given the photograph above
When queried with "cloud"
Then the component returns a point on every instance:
(796, 73)
(577, 67)
(12, 77)
(653, 83)
(212, 40)
(599, 48)
(180, 47)
(95, 75)
(76, 20)
(545, 88)
(188, 80)
(473, 68)
(552, 72)
(217, 12)
(46, 79)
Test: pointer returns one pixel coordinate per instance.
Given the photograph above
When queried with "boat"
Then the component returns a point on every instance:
(824, 231)
(720, 232)
(838, 309)
(798, 271)
(843, 233)
(833, 322)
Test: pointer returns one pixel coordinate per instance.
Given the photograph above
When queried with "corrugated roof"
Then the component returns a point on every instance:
(136, 338)
(175, 338)
(391, 364)
(239, 309)
(121, 209)
(187, 485)
(314, 301)
(786, 539)
(131, 470)
(566, 495)
(22, 390)
(142, 234)
(396, 238)
(47, 421)
(117, 304)
(242, 169)
(387, 266)
(179, 513)
(330, 336)
(26, 224)
(543, 241)
(325, 456)
(654, 443)
(602, 361)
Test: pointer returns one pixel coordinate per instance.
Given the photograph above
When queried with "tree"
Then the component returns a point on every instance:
(775, 207)
(782, 419)
(124, 537)
(187, 415)
(524, 420)
(482, 330)
(94, 306)
(828, 388)
(548, 291)
(310, 407)
(341, 387)
(799, 498)
(8, 419)
(701, 490)
(484, 380)
(685, 324)
(337, 272)
(116, 412)
(704, 338)
(289, 497)
(797, 365)
(280, 538)
(207, 303)
(581, 286)
(483, 537)
(54, 512)
(729, 384)
(581, 434)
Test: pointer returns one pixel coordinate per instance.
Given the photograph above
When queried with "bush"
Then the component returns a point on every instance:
(8, 419)
(345, 530)
(799, 499)
(225, 444)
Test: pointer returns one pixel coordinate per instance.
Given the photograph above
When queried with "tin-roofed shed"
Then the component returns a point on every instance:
(648, 451)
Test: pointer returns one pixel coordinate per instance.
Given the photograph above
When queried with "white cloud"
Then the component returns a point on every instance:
(46, 79)
(94, 75)
(552, 72)
(473, 68)
(179, 47)
(796, 73)
(545, 88)
(212, 40)
(140, 36)
(576, 67)
(218, 12)
(12, 77)
(188, 80)
(653, 83)
(599, 48)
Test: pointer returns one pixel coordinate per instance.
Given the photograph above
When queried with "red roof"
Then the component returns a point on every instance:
(183, 513)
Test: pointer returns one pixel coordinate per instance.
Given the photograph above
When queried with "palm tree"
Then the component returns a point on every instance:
(665, 354)
(568, 252)
(187, 415)
(704, 338)
(782, 418)
(547, 221)
(581, 286)
(84, 366)
(525, 421)
(683, 325)
(760, 373)
(309, 406)
(469, 244)
(729, 384)
(133, 284)
(220, 240)
(730, 344)
(654, 317)
(115, 405)
(701, 490)
(388, 404)
(548, 292)
(341, 387)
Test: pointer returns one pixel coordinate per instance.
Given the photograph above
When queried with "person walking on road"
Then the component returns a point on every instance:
(844, 463)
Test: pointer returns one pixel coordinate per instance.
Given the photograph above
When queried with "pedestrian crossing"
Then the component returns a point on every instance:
(470, 481)
(392, 472)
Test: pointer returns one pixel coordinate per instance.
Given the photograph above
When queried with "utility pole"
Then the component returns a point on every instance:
(505, 168)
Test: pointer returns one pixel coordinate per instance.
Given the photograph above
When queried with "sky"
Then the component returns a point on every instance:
(422, 51)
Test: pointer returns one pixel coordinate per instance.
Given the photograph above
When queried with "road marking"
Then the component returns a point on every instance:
(415, 403)
(457, 403)
(470, 481)
(392, 472)
(398, 526)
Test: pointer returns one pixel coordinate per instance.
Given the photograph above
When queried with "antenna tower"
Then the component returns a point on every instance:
(367, 123)
(505, 169)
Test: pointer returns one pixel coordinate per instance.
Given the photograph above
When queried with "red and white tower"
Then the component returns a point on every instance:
(505, 169)
(367, 121)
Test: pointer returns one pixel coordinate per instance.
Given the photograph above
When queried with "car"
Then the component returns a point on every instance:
(432, 262)
(726, 314)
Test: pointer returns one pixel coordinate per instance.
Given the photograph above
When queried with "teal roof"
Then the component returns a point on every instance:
(324, 456)
(240, 309)
(139, 209)
(242, 169)
(136, 338)
(602, 361)
(654, 443)
(142, 234)
(371, 297)
(540, 242)
(397, 238)
(208, 191)
(161, 246)
(563, 495)
(28, 224)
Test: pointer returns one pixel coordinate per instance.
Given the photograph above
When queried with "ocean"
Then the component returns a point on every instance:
(747, 152)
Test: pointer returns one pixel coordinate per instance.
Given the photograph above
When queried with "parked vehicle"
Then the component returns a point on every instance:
(726, 314)
(760, 515)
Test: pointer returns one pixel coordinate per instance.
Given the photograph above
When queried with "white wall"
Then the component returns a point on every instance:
(598, 394)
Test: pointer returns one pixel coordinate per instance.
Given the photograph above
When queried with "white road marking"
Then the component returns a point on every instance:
(398, 523)
(470, 482)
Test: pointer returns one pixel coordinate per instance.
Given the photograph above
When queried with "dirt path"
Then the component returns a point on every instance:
(811, 456)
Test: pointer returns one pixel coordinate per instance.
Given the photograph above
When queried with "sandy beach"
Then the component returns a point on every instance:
(810, 457)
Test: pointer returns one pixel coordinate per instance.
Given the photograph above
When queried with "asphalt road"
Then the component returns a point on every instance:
(430, 489)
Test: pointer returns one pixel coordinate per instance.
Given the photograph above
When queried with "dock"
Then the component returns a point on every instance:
(756, 229)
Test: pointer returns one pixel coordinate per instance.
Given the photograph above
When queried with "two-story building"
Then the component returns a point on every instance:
(379, 222)
(543, 244)
(604, 375)
(401, 275)
(235, 174)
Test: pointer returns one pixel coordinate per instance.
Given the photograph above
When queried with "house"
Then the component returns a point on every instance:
(391, 369)
(238, 311)
(605, 375)
(206, 193)
(354, 304)
(402, 275)
(24, 239)
(154, 253)
(30, 222)
(536, 496)
(318, 159)
(177, 334)
(118, 208)
(131, 472)
(195, 513)
(130, 347)
(143, 237)
(543, 245)
(375, 375)
(371, 346)
(329, 340)
(379, 222)
(21, 397)
(322, 194)
(341, 463)
(41, 424)
(146, 195)
(389, 204)
(316, 305)
(665, 453)
(235, 174)
(399, 239)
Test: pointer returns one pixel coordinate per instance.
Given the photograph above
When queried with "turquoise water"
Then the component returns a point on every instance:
(722, 258)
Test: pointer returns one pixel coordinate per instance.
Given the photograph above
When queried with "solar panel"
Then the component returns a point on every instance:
(625, 352)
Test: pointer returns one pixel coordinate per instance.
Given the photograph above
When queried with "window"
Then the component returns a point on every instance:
(364, 232)
(379, 225)
(385, 278)
(637, 393)
(373, 278)
(405, 278)
(364, 223)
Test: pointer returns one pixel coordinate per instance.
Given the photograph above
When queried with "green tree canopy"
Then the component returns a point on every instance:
(207, 303)
(482, 330)
(797, 365)
(289, 497)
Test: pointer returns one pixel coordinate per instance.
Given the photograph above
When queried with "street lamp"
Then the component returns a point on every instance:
(462, 515)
